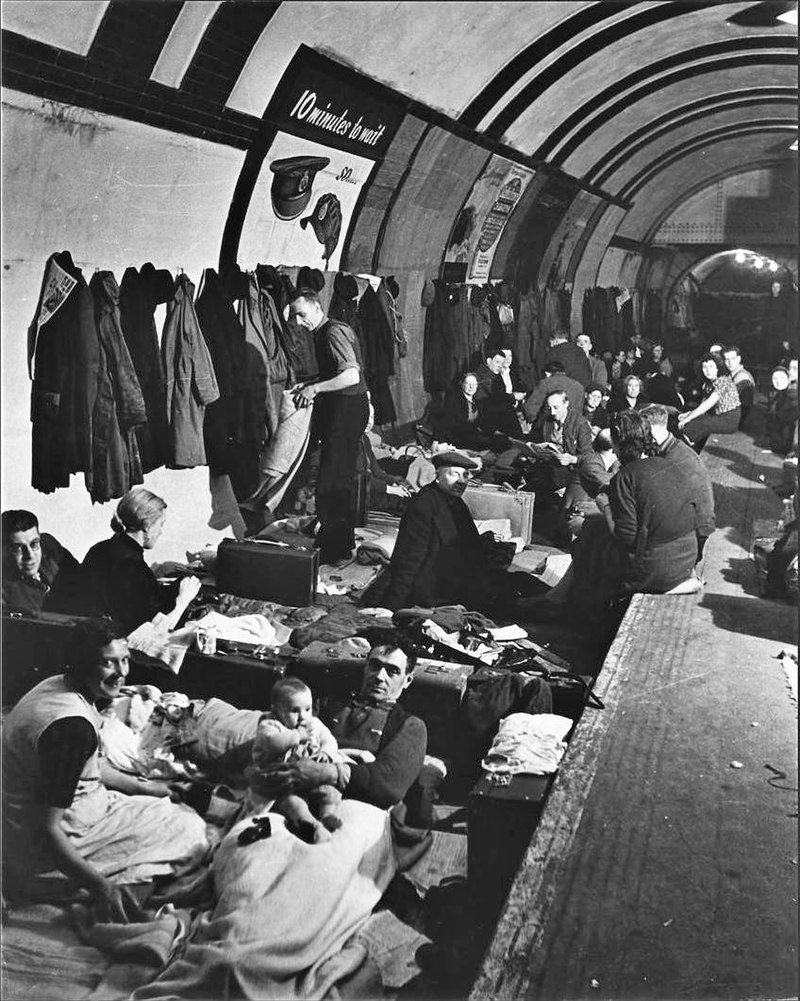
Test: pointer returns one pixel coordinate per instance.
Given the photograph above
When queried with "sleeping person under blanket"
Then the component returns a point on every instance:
(290, 732)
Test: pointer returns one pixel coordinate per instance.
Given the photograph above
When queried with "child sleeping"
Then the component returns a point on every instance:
(288, 732)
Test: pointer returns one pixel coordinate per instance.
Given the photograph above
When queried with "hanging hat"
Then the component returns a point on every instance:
(293, 183)
(453, 459)
(311, 279)
(345, 285)
(326, 221)
(158, 283)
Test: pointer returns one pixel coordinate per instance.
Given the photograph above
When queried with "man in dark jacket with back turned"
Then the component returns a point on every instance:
(692, 468)
(575, 362)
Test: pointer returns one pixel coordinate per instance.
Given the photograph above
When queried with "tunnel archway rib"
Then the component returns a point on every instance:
(730, 54)
(732, 170)
(741, 129)
(684, 115)
(534, 53)
(585, 49)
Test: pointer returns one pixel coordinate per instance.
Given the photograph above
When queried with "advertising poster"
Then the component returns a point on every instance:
(333, 126)
(481, 222)
(302, 204)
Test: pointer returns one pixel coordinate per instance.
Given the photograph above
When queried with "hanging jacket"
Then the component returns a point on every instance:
(379, 360)
(119, 405)
(138, 297)
(63, 359)
(266, 367)
(233, 433)
(297, 343)
(344, 306)
(440, 360)
(191, 381)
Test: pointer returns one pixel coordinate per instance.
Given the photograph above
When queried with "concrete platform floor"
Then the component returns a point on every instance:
(660, 868)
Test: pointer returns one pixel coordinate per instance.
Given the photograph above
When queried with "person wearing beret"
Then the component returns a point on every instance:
(439, 557)
(341, 412)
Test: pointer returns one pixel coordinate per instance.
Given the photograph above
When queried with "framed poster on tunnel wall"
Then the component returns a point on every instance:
(323, 134)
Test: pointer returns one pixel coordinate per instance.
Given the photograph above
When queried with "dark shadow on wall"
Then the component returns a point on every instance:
(764, 618)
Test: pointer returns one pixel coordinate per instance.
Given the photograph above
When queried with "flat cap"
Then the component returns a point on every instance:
(453, 459)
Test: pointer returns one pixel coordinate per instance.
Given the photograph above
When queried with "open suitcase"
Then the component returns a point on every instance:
(490, 501)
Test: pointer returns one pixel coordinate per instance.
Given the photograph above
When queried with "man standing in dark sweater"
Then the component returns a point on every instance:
(341, 412)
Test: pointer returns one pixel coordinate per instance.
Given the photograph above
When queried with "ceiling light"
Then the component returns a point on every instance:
(793, 147)
(758, 264)
(740, 257)
(773, 266)
(789, 17)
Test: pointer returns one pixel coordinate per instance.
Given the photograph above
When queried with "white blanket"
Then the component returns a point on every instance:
(284, 911)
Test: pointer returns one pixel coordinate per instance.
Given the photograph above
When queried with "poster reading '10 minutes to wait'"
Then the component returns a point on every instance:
(332, 128)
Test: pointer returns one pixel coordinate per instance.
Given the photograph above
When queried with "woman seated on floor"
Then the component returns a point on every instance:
(460, 422)
(719, 410)
(70, 820)
(627, 395)
(782, 411)
(114, 579)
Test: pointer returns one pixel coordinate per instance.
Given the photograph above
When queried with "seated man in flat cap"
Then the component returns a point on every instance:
(439, 557)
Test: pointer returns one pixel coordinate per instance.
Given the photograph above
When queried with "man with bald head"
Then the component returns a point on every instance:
(439, 557)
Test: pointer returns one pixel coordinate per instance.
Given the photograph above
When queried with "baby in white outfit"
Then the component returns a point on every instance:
(288, 732)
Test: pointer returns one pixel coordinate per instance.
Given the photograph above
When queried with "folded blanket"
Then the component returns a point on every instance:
(342, 621)
(528, 744)
(378, 550)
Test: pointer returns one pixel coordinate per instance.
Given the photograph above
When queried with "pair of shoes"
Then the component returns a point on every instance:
(258, 830)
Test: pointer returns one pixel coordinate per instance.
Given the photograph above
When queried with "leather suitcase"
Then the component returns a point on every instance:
(245, 682)
(501, 820)
(33, 648)
(268, 570)
(436, 695)
(489, 501)
(329, 669)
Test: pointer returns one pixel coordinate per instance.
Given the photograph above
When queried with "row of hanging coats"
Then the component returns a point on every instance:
(111, 401)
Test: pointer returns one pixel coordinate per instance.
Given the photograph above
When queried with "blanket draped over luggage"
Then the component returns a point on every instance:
(284, 911)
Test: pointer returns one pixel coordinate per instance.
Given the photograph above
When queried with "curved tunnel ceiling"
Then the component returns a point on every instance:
(642, 100)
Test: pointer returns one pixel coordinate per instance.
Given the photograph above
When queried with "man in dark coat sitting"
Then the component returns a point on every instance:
(439, 557)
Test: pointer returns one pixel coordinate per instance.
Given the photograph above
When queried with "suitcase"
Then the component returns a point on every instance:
(245, 682)
(33, 648)
(329, 669)
(436, 695)
(501, 820)
(268, 570)
(489, 501)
